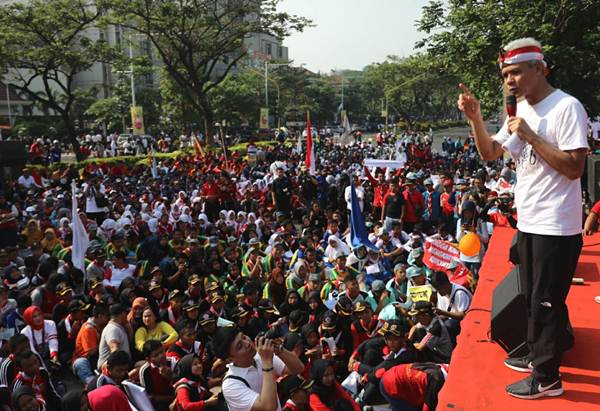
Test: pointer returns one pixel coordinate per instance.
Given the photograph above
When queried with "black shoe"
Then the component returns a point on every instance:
(530, 389)
(521, 364)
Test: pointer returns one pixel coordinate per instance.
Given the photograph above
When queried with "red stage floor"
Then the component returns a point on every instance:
(477, 376)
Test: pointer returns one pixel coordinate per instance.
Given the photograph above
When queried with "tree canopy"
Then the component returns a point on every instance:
(465, 36)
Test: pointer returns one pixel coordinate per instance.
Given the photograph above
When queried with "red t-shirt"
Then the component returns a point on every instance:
(596, 209)
(210, 189)
(415, 205)
(404, 382)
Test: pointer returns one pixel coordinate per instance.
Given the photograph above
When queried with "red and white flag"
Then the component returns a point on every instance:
(440, 255)
(311, 159)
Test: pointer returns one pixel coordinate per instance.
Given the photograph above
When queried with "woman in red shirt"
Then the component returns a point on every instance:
(327, 394)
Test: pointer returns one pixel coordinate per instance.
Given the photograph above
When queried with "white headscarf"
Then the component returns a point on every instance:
(330, 251)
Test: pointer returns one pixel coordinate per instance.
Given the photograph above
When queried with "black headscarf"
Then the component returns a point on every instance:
(325, 394)
(320, 310)
(307, 329)
(183, 369)
(285, 309)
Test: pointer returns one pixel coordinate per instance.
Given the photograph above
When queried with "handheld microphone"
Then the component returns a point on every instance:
(511, 105)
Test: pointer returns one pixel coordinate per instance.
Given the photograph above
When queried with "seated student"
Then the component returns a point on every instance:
(429, 335)
(34, 376)
(191, 391)
(378, 354)
(8, 368)
(69, 327)
(154, 330)
(453, 302)
(87, 343)
(327, 394)
(296, 390)
(413, 386)
(186, 344)
(418, 288)
(42, 335)
(114, 371)
(25, 399)
(364, 325)
(156, 375)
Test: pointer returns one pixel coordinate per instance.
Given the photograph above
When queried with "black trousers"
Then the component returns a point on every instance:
(548, 263)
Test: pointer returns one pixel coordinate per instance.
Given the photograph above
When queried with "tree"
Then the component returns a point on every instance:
(43, 42)
(235, 99)
(464, 37)
(201, 41)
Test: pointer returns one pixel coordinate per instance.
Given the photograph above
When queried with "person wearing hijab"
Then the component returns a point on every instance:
(327, 394)
(292, 302)
(50, 242)
(32, 232)
(335, 246)
(134, 317)
(191, 391)
(42, 334)
(298, 275)
(25, 399)
(316, 308)
(274, 288)
(108, 398)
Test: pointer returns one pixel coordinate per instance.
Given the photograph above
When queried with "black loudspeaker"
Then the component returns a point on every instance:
(509, 314)
(12, 153)
(513, 254)
(13, 157)
(593, 175)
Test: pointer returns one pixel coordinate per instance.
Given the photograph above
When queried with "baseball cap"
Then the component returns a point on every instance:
(414, 271)
(359, 307)
(206, 319)
(293, 383)
(214, 297)
(194, 279)
(421, 307)
(78, 305)
(377, 285)
(329, 320)
(393, 327)
(174, 294)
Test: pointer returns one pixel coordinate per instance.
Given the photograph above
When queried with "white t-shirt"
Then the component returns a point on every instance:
(460, 297)
(119, 274)
(548, 202)
(26, 182)
(238, 396)
(90, 200)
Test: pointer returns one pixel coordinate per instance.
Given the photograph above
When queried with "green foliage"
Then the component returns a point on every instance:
(43, 42)
(236, 99)
(200, 41)
(464, 37)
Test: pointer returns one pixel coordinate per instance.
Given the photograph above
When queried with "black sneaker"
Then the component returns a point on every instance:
(521, 364)
(530, 389)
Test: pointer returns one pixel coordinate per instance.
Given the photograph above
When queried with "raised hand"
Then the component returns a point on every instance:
(265, 349)
(468, 104)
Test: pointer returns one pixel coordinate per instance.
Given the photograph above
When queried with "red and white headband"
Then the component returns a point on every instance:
(520, 55)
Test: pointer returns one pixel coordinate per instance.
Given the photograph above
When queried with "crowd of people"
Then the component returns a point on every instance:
(238, 273)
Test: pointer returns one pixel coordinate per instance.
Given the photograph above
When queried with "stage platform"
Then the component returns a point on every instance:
(477, 377)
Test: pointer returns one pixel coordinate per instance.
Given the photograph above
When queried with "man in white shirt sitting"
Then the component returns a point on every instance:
(453, 302)
(253, 368)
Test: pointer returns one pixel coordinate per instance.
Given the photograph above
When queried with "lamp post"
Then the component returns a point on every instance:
(267, 64)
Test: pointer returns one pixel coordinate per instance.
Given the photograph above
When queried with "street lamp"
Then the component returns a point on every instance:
(267, 64)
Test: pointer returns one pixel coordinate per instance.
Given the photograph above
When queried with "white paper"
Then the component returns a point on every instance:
(222, 322)
(373, 269)
(331, 343)
(351, 383)
(138, 396)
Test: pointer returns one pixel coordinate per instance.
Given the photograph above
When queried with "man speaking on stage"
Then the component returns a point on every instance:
(547, 138)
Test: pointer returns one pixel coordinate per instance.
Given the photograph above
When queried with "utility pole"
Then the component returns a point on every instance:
(132, 77)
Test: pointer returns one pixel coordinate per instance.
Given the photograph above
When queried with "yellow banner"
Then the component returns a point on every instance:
(137, 120)
(420, 293)
(264, 118)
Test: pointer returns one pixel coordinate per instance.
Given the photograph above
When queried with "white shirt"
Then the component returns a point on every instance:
(26, 182)
(548, 202)
(461, 300)
(119, 274)
(360, 195)
(90, 200)
(238, 396)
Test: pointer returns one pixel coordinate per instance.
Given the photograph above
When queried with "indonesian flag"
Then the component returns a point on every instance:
(311, 159)
(440, 255)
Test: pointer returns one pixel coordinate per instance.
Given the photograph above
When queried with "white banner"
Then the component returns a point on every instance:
(392, 164)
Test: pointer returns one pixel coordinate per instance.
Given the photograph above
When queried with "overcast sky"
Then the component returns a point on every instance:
(350, 34)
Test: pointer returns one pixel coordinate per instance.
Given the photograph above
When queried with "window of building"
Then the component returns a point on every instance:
(268, 49)
(280, 52)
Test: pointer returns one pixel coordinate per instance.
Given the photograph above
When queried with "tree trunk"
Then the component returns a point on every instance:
(209, 118)
(72, 137)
